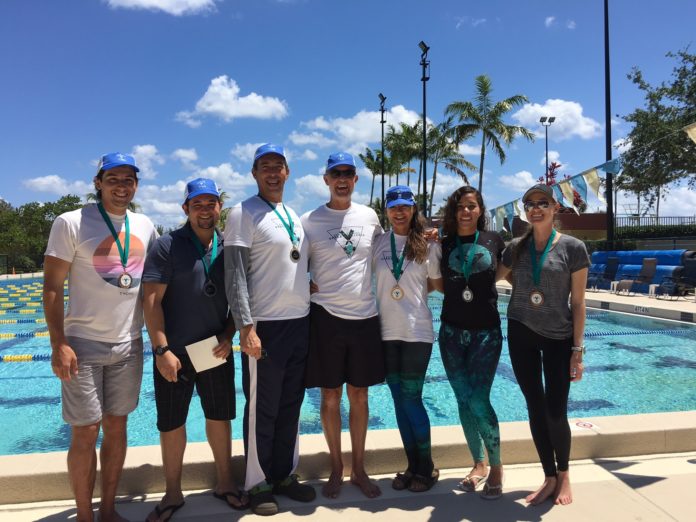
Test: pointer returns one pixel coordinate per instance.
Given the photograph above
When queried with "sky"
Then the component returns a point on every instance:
(192, 87)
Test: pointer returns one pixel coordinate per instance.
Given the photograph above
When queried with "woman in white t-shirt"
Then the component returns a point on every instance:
(404, 263)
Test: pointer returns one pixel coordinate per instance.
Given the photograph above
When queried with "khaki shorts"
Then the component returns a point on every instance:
(107, 381)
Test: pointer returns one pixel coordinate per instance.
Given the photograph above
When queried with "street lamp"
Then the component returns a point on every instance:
(382, 99)
(425, 64)
(546, 122)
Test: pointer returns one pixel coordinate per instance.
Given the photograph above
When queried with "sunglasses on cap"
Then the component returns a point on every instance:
(543, 204)
(393, 196)
(347, 173)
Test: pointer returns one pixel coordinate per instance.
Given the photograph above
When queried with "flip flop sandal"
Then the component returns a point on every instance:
(492, 492)
(239, 495)
(421, 483)
(402, 481)
(471, 483)
(168, 510)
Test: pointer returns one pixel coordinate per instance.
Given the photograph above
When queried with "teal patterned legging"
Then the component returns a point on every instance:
(406, 364)
(470, 358)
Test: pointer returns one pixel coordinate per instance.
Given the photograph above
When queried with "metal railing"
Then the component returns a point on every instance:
(651, 221)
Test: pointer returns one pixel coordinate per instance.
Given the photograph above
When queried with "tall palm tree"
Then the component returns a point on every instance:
(443, 149)
(373, 164)
(404, 144)
(486, 116)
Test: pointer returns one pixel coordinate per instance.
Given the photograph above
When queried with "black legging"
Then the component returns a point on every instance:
(531, 353)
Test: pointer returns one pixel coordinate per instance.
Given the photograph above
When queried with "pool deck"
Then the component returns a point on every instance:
(633, 467)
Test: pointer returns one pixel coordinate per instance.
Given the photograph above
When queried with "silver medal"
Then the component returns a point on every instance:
(125, 280)
(536, 298)
(467, 295)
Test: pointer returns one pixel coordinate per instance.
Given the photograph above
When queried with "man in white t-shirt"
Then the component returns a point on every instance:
(345, 345)
(266, 255)
(97, 346)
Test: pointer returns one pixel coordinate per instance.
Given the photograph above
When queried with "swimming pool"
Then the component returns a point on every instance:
(633, 365)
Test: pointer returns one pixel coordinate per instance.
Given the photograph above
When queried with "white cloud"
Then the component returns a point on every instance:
(312, 138)
(549, 21)
(469, 21)
(311, 185)
(622, 145)
(172, 7)
(570, 24)
(245, 151)
(469, 150)
(228, 179)
(187, 157)
(222, 100)
(521, 180)
(569, 123)
(55, 184)
(146, 157)
(309, 155)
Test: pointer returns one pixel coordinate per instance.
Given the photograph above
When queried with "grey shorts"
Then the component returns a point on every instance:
(107, 381)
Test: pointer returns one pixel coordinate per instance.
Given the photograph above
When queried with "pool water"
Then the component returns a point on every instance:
(633, 365)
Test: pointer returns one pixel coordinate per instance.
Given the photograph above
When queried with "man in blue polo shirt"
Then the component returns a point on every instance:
(185, 302)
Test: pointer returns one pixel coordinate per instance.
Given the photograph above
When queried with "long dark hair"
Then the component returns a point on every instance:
(449, 223)
(416, 248)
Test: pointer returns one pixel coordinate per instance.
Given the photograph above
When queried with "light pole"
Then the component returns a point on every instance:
(425, 64)
(546, 122)
(607, 124)
(382, 99)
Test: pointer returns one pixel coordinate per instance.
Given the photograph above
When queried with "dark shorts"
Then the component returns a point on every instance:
(343, 351)
(215, 389)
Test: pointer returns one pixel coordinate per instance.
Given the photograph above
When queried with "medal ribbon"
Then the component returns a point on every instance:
(537, 266)
(201, 250)
(466, 261)
(289, 225)
(397, 262)
(122, 249)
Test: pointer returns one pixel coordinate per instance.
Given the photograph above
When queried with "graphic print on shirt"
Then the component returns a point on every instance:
(387, 259)
(482, 259)
(107, 261)
(347, 237)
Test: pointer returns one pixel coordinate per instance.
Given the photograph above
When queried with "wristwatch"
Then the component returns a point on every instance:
(160, 350)
(580, 349)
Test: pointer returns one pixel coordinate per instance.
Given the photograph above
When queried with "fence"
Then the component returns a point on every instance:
(652, 221)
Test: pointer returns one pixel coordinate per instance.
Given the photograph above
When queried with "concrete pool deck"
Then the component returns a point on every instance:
(611, 483)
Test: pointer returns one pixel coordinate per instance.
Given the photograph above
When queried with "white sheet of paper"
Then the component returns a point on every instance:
(201, 354)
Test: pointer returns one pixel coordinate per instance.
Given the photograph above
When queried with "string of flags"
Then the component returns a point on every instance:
(588, 180)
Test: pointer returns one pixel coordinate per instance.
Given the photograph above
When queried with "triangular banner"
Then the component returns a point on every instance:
(578, 183)
(591, 178)
(567, 191)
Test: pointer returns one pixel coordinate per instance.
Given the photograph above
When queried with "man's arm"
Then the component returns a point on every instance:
(63, 358)
(237, 290)
(168, 364)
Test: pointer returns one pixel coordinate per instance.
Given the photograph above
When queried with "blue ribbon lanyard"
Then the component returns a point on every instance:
(467, 262)
(201, 251)
(289, 225)
(397, 262)
(537, 266)
(122, 249)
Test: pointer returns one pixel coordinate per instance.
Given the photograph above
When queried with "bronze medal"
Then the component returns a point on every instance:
(125, 280)
(397, 293)
(536, 298)
(295, 254)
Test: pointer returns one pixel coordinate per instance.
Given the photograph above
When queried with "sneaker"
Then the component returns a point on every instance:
(292, 489)
(262, 502)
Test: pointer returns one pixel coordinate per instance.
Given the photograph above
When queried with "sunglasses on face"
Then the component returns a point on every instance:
(348, 173)
(543, 204)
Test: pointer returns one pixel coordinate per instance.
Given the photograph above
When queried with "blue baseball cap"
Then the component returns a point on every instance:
(200, 186)
(340, 158)
(399, 195)
(269, 148)
(116, 159)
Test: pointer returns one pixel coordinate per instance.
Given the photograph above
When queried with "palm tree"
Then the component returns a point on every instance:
(373, 164)
(404, 145)
(486, 116)
(442, 149)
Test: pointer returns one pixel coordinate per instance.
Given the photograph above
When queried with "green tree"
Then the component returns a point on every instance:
(404, 144)
(660, 153)
(370, 160)
(486, 116)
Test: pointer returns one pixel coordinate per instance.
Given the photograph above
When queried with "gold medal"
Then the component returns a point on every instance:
(397, 293)
(536, 298)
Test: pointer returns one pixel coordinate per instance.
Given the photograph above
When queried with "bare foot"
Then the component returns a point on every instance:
(332, 488)
(369, 488)
(563, 494)
(544, 492)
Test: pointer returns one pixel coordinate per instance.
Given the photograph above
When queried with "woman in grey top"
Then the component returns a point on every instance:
(545, 335)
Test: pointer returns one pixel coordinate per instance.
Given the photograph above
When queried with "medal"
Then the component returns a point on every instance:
(125, 280)
(397, 263)
(467, 295)
(289, 228)
(397, 293)
(210, 289)
(536, 298)
(467, 262)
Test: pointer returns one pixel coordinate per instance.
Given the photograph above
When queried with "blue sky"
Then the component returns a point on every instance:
(192, 86)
